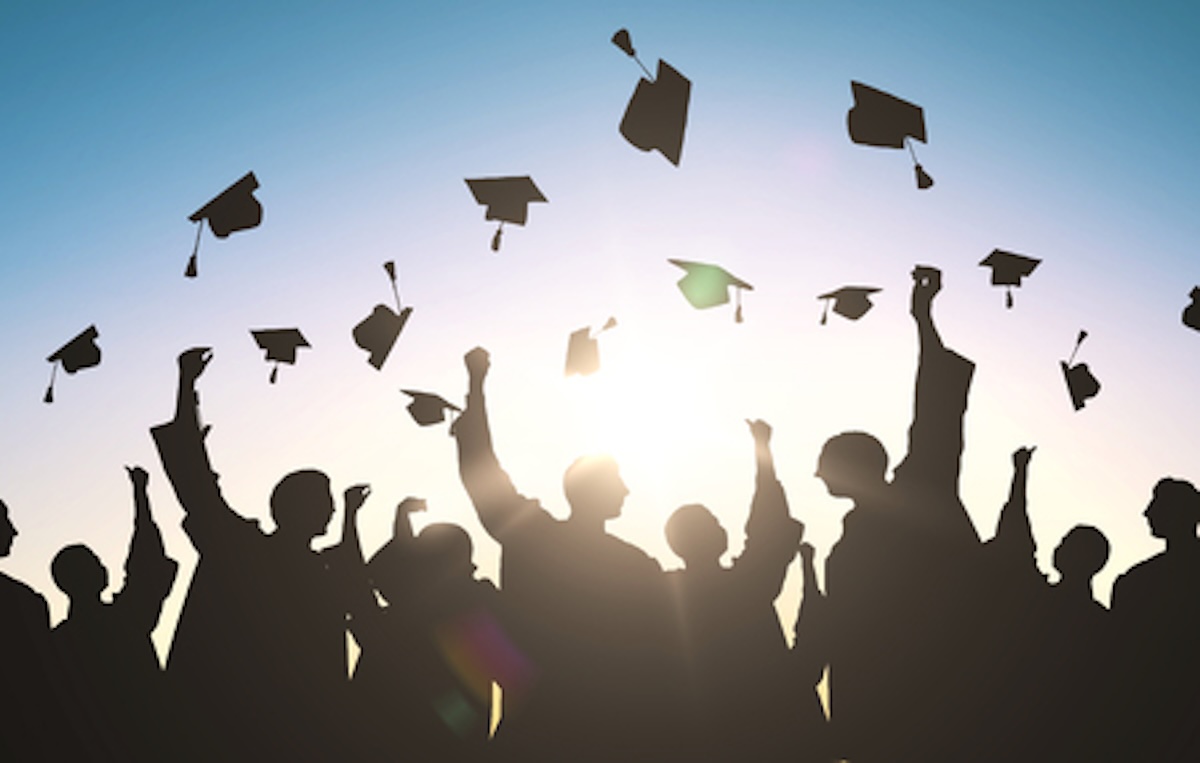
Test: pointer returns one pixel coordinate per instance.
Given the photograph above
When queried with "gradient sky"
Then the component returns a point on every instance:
(1064, 133)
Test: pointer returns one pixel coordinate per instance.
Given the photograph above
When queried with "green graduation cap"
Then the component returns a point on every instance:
(706, 285)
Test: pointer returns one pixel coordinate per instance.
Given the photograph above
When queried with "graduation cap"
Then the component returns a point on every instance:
(507, 199)
(583, 351)
(1081, 383)
(427, 408)
(233, 209)
(80, 352)
(707, 285)
(851, 302)
(656, 116)
(377, 333)
(881, 119)
(281, 346)
(1008, 269)
(1191, 314)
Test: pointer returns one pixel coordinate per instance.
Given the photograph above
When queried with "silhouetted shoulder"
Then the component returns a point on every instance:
(23, 604)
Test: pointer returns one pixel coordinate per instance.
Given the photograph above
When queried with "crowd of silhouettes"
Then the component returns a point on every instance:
(934, 645)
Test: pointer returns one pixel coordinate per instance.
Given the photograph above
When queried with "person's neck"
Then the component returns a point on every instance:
(1076, 587)
(84, 607)
(1183, 544)
(292, 540)
(587, 523)
(703, 567)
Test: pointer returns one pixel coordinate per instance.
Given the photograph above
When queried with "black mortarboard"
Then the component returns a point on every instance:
(851, 302)
(377, 333)
(80, 352)
(583, 351)
(707, 285)
(1191, 313)
(233, 209)
(507, 199)
(281, 346)
(427, 408)
(1081, 383)
(881, 119)
(656, 116)
(1008, 269)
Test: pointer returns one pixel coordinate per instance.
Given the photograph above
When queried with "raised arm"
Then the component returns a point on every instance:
(1014, 536)
(402, 529)
(346, 562)
(771, 532)
(769, 507)
(149, 572)
(181, 445)
(499, 506)
(929, 472)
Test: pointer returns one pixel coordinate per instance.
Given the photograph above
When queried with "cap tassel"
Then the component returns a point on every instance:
(274, 373)
(49, 396)
(923, 179)
(496, 238)
(1008, 300)
(825, 314)
(190, 272)
(1078, 342)
(621, 40)
(390, 267)
(737, 314)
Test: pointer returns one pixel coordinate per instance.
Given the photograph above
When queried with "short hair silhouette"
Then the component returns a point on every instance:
(446, 551)
(1082, 553)
(694, 534)
(303, 502)
(594, 487)
(852, 460)
(78, 572)
(1174, 509)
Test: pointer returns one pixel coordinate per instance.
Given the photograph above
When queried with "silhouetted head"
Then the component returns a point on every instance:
(594, 488)
(445, 552)
(302, 504)
(1174, 511)
(7, 531)
(696, 536)
(1081, 554)
(852, 465)
(77, 571)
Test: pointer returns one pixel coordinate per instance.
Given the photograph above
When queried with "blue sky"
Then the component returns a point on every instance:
(1064, 132)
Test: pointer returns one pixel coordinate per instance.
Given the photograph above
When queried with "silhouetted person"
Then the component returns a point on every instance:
(1082, 697)
(1157, 608)
(893, 580)
(588, 610)
(424, 680)
(740, 701)
(259, 653)
(33, 723)
(1049, 687)
(114, 676)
